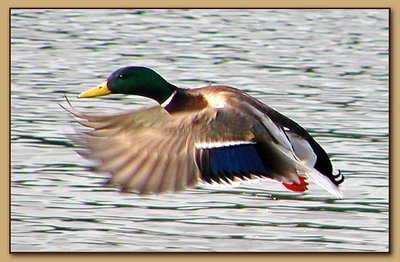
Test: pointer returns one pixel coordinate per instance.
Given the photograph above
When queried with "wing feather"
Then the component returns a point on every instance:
(145, 151)
(152, 151)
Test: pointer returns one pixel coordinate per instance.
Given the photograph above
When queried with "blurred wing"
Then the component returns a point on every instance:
(145, 151)
(151, 151)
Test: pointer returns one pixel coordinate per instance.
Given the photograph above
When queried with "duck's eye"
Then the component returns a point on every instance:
(120, 76)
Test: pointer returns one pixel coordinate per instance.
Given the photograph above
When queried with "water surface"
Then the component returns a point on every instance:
(325, 69)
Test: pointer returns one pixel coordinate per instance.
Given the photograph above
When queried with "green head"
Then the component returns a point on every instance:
(134, 80)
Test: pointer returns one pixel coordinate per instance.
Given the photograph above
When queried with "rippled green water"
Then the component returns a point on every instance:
(326, 69)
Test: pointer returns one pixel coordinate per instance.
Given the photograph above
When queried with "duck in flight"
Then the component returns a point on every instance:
(214, 134)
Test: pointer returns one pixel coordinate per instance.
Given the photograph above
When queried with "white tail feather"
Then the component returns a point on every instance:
(319, 179)
(313, 174)
(325, 183)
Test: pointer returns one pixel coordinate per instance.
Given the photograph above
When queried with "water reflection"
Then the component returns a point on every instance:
(326, 69)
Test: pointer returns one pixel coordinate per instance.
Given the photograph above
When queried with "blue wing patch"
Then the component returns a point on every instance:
(230, 161)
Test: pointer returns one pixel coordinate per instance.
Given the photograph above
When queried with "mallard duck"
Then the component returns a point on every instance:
(214, 134)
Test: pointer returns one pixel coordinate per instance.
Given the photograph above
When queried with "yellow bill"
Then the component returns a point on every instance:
(100, 90)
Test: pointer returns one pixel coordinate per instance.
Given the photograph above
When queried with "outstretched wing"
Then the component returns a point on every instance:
(152, 151)
(144, 151)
